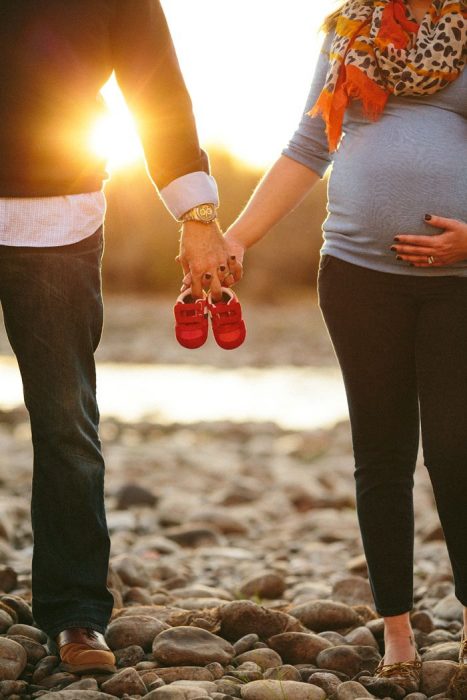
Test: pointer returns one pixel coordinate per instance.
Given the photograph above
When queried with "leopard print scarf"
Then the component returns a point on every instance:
(380, 50)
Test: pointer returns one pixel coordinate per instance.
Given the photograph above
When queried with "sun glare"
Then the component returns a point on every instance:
(248, 83)
(114, 137)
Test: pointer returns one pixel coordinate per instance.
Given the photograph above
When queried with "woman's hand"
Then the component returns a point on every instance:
(444, 248)
(235, 253)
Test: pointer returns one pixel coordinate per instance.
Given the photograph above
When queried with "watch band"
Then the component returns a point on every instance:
(205, 213)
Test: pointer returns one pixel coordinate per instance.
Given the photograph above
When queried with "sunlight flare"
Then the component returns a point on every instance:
(114, 136)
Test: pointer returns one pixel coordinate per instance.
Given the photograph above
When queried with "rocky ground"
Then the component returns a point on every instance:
(236, 564)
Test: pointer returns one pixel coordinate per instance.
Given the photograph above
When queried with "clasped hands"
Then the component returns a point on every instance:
(445, 248)
(209, 260)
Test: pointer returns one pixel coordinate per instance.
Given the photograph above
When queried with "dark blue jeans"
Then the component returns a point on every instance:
(52, 306)
(401, 342)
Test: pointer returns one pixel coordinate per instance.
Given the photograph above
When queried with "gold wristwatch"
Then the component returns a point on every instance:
(205, 213)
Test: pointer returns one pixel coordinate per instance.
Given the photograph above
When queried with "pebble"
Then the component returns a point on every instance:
(245, 617)
(129, 630)
(187, 673)
(263, 585)
(264, 658)
(278, 690)
(126, 681)
(351, 690)
(349, 659)
(13, 659)
(321, 615)
(436, 676)
(298, 647)
(191, 645)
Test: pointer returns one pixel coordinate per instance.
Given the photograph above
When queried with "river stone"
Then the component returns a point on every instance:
(84, 684)
(436, 676)
(351, 690)
(9, 688)
(129, 656)
(361, 636)
(34, 650)
(286, 672)
(245, 643)
(267, 584)
(352, 590)
(349, 659)
(171, 693)
(298, 647)
(281, 690)
(61, 678)
(265, 658)
(132, 494)
(220, 519)
(447, 651)
(208, 686)
(29, 631)
(126, 681)
(422, 620)
(200, 603)
(245, 617)
(13, 659)
(449, 608)
(321, 615)
(200, 591)
(327, 681)
(8, 579)
(44, 668)
(186, 673)
(191, 646)
(131, 570)
(6, 621)
(77, 695)
(133, 630)
(20, 607)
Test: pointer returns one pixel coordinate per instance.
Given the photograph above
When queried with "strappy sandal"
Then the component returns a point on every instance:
(407, 674)
(458, 685)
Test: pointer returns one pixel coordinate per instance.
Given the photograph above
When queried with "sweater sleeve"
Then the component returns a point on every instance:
(309, 145)
(149, 75)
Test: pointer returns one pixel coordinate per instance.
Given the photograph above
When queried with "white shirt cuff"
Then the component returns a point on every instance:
(189, 191)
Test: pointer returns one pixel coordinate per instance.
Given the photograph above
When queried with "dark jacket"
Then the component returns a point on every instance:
(55, 55)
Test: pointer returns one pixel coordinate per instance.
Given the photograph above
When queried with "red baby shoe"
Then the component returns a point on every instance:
(226, 317)
(191, 320)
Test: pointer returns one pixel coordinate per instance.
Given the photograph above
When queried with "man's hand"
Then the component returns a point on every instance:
(203, 257)
(445, 248)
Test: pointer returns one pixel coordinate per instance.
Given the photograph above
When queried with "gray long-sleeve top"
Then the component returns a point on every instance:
(386, 175)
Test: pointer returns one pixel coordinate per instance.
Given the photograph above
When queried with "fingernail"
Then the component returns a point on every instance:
(393, 247)
(428, 217)
(396, 239)
(222, 268)
(208, 276)
(398, 257)
(233, 257)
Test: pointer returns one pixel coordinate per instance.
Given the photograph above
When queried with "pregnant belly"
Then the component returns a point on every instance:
(383, 182)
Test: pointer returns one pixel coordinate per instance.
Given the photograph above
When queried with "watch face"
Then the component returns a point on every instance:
(206, 212)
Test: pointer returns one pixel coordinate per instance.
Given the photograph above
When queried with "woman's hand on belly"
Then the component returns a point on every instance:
(445, 248)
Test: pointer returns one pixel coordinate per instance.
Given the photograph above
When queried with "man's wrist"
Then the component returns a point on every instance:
(203, 213)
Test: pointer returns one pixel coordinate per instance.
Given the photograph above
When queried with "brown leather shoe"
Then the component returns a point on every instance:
(407, 674)
(83, 650)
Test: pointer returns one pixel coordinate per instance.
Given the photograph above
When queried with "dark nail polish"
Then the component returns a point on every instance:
(393, 247)
(398, 257)
(396, 239)
(208, 276)
(428, 217)
(222, 268)
(232, 257)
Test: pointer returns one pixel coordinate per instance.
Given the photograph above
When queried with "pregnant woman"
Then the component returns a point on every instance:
(388, 108)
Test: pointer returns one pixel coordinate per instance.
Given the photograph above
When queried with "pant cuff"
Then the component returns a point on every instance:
(54, 630)
(392, 612)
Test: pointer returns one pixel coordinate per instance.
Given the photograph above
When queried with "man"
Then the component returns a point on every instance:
(54, 58)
